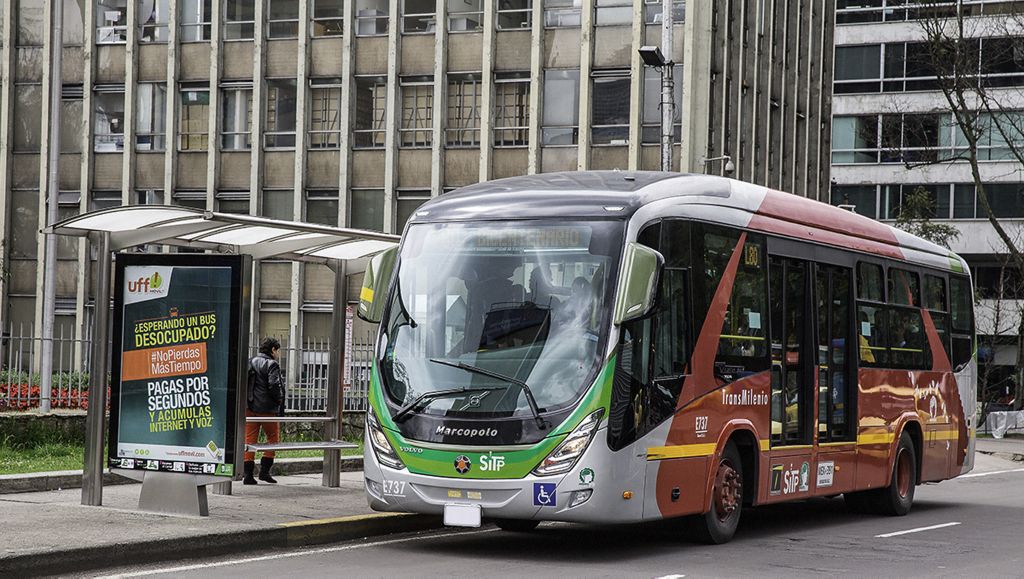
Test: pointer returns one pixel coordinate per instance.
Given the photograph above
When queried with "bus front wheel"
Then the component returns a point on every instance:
(718, 525)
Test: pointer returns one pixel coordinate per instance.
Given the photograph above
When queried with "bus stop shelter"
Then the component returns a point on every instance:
(112, 230)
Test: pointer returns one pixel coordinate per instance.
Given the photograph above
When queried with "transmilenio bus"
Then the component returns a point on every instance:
(612, 347)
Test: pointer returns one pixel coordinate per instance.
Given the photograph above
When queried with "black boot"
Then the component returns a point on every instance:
(250, 467)
(266, 463)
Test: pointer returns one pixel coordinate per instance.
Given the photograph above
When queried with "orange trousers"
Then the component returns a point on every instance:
(252, 433)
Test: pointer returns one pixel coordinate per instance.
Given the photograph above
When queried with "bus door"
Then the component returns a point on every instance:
(836, 458)
(792, 379)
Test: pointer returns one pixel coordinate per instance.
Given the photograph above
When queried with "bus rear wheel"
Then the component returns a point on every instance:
(718, 525)
(516, 525)
(897, 498)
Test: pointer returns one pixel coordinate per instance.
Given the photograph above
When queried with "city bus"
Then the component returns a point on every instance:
(614, 347)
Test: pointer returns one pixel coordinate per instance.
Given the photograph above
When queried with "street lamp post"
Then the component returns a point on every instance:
(654, 57)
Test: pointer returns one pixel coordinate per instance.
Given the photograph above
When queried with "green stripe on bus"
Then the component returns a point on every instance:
(955, 264)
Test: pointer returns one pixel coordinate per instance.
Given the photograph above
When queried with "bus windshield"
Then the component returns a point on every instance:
(506, 310)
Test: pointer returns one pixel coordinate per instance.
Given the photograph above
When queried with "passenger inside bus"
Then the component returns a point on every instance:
(866, 355)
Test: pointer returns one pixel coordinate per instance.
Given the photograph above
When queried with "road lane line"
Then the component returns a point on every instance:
(917, 530)
(290, 554)
(976, 474)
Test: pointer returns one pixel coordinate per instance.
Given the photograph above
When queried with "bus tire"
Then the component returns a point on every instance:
(896, 499)
(516, 525)
(718, 525)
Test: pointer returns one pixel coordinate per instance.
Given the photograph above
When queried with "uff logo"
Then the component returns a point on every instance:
(145, 284)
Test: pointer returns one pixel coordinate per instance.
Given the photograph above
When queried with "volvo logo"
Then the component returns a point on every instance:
(462, 464)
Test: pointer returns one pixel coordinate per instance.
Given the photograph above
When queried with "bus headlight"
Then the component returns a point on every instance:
(381, 447)
(564, 456)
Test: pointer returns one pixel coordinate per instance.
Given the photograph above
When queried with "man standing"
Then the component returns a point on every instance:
(265, 398)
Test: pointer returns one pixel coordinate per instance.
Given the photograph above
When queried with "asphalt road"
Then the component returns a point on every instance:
(967, 526)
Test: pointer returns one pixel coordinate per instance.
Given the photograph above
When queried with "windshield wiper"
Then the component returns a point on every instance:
(422, 400)
(530, 400)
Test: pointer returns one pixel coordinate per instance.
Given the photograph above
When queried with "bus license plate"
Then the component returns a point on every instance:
(462, 515)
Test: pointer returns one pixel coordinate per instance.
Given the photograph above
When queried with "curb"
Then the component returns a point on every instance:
(72, 479)
(286, 535)
(1011, 456)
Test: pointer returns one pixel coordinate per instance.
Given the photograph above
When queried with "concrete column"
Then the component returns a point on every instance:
(437, 139)
(44, 181)
(347, 88)
(213, 123)
(392, 116)
(533, 154)
(257, 114)
(171, 105)
(6, 115)
(696, 114)
(636, 87)
(487, 94)
(586, 65)
(301, 92)
(130, 78)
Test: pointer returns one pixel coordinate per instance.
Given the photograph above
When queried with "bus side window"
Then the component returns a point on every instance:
(962, 321)
(872, 323)
(937, 305)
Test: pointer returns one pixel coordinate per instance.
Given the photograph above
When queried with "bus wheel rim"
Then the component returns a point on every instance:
(728, 491)
(903, 481)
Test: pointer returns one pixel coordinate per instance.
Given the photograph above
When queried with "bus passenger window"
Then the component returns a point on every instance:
(871, 336)
(903, 288)
(869, 282)
(962, 321)
(935, 302)
(742, 346)
(907, 339)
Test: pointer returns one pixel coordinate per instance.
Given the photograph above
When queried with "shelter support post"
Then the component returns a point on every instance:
(95, 422)
(336, 375)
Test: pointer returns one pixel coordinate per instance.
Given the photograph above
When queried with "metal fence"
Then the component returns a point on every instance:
(307, 382)
(19, 376)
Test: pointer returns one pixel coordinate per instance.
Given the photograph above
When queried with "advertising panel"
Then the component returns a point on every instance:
(176, 351)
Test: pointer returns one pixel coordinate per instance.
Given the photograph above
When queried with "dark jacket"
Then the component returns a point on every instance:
(266, 388)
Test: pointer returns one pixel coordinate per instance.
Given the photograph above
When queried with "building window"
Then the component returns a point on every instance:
(463, 126)
(282, 18)
(650, 133)
(325, 113)
(74, 23)
(193, 118)
(153, 20)
(894, 138)
(28, 109)
(561, 107)
(613, 12)
(863, 198)
(418, 16)
(328, 17)
(406, 204)
(515, 14)
(195, 20)
(371, 17)
(193, 198)
(236, 202)
(861, 11)
(855, 139)
(104, 200)
(239, 19)
(561, 13)
(858, 68)
(370, 110)
(108, 120)
(280, 120)
(366, 209)
(653, 12)
(31, 19)
(151, 106)
(149, 197)
(465, 16)
(322, 206)
(111, 21)
(417, 95)
(277, 204)
(511, 109)
(236, 118)
(71, 127)
(610, 107)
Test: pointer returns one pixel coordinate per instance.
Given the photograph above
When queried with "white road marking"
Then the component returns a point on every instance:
(976, 474)
(917, 530)
(289, 555)
(671, 577)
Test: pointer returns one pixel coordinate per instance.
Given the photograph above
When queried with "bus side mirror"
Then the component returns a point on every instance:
(641, 269)
(375, 285)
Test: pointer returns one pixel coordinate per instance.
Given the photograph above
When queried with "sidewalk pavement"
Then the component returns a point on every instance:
(1010, 448)
(51, 532)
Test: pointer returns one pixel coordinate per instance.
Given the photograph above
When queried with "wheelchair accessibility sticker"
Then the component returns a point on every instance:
(543, 494)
